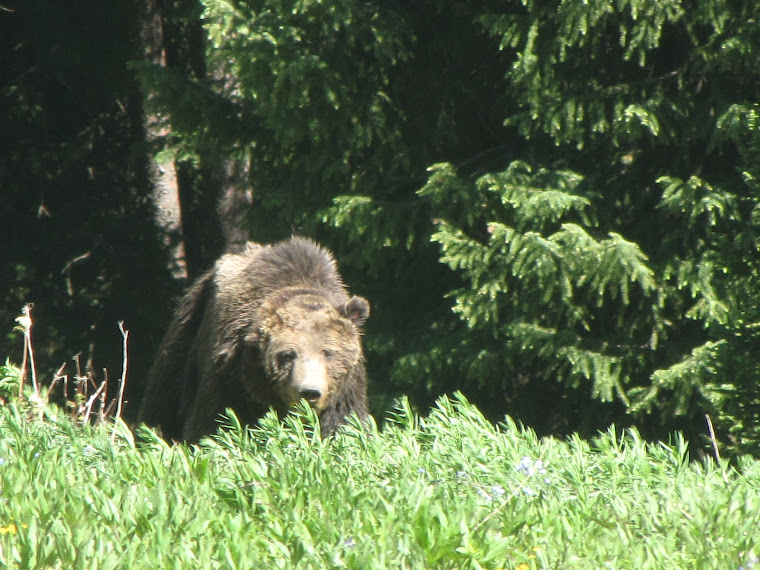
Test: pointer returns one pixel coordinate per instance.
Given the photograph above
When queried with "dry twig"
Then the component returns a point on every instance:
(89, 397)
(714, 441)
(122, 380)
(25, 320)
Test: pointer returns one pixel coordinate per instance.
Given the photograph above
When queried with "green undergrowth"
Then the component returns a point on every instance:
(449, 490)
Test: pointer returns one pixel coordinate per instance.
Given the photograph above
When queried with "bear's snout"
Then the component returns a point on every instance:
(310, 382)
(311, 395)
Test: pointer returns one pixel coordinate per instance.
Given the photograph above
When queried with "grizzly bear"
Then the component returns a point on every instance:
(266, 327)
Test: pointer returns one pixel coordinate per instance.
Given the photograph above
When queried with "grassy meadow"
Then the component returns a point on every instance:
(448, 490)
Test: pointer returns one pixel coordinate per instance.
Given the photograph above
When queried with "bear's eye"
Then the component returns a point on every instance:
(285, 357)
(328, 354)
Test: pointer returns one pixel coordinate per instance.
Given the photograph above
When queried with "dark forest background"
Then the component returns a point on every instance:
(552, 207)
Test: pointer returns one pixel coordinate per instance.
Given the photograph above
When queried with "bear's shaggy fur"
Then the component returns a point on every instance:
(266, 327)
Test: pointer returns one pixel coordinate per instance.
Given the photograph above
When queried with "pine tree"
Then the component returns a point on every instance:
(625, 265)
(583, 249)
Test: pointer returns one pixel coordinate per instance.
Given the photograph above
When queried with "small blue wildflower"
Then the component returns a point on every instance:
(492, 493)
(2, 460)
(530, 468)
(349, 543)
(421, 471)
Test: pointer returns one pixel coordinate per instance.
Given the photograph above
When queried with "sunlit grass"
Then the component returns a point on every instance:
(448, 490)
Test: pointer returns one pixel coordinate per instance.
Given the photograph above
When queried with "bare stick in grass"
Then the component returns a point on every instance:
(25, 320)
(103, 396)
(91, 401)
(57, 377)
(712, 438)
(122, 380)
(65, 388)
(23, 363)
(714, 441)
(80, 389)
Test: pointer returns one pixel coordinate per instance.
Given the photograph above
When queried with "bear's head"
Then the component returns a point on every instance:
(308, 348)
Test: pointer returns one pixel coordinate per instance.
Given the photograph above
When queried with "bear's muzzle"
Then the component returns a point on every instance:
(309, 381)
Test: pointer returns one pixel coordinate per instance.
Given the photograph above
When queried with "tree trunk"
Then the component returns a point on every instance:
(234, 201)
(202, 210)
(163, 176)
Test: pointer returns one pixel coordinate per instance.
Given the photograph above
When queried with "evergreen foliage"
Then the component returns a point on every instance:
(652, 93)
(583, 248)
(551, 206)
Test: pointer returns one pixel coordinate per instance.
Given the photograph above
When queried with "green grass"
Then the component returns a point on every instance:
(449, 490)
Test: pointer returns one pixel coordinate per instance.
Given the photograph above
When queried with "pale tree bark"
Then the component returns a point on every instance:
(214, 200)
(201, 208)
(163, 176)
(232, 177)
(235, 199)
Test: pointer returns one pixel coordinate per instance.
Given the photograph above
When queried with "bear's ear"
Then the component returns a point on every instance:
(356, 311)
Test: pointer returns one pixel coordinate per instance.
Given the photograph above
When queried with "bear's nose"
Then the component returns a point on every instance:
(311, 395)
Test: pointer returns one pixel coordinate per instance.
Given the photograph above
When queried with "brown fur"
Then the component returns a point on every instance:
(262, 329)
